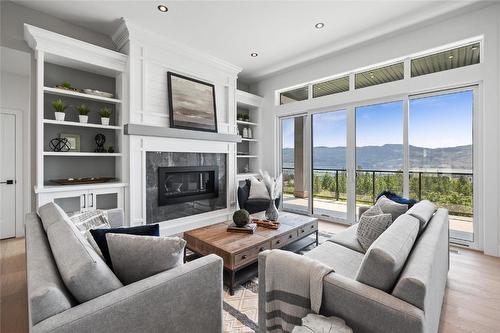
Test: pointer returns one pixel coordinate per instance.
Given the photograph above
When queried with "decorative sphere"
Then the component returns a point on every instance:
(241, 218)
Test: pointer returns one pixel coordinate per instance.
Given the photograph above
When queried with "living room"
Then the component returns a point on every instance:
(184, 166)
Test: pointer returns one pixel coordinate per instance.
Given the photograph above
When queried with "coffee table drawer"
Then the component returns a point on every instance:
(307, 229)
(283, 240)
(250, 254)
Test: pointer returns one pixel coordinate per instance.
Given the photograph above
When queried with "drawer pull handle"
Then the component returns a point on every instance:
(290, 236)
(278, 241)
(244, 256)
(312, 227)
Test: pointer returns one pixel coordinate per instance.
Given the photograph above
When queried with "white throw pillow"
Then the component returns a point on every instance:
(94, 219)
(137, 257)
(258, 189)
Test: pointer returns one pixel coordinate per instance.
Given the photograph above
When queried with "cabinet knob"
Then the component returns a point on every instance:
(312, 227)
(261, 249)
(278, 241)
(290, 236)
(244, 256)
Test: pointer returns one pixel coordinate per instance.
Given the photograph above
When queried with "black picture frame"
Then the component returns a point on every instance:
(171, 104)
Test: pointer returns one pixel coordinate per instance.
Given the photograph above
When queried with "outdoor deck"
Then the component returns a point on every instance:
(460, 227)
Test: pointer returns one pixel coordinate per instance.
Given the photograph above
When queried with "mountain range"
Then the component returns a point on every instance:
(389, 157)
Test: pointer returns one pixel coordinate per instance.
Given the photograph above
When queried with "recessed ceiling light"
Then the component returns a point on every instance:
(319, 25)
(450, 57)
(474, 48)
(162, 8)
(254, 54)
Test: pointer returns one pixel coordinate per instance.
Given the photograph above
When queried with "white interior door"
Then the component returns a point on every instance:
(8, 206)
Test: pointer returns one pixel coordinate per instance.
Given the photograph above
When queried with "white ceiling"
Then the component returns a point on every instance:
(282, 32)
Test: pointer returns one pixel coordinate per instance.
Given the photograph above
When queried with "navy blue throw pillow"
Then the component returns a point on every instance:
(397, 198)
(100, 236)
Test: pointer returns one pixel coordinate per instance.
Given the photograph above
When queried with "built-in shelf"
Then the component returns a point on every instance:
(243, 176)
(248, 100)
(74, 123)
(249, 140)
(246, 123)
(246, 156)
(78, 187)
(80, 154)
(63, 92)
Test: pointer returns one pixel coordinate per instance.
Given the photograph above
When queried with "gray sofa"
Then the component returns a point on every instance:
(401, 290)
(187, 298)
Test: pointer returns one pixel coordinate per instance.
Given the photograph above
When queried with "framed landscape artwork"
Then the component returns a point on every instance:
(191, 103)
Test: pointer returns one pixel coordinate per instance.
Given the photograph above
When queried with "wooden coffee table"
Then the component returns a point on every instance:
(239, 251)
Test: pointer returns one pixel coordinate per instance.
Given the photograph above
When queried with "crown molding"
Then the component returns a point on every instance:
(60, 46)
(128, 31)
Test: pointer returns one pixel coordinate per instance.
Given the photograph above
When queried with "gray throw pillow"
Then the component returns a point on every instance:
(137, 257)
(84, 273)
(390, 207)
(371, 225)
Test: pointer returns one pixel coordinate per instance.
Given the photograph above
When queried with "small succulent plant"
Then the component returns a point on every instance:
(66, 85)
(105, 112)
(83, 109)
(59, 105)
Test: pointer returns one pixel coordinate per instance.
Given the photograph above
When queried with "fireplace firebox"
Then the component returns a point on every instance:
(185, 184)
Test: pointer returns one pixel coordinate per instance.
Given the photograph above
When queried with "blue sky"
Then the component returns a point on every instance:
(439, 121)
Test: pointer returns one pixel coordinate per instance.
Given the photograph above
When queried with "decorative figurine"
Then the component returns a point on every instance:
(99, 140)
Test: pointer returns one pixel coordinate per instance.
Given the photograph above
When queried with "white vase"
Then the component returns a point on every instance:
(245, 132)
(83, 119)
(104, 121)
(250, 134)
(59, 116)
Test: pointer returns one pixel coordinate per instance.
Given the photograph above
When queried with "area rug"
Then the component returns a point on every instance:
(241, 309)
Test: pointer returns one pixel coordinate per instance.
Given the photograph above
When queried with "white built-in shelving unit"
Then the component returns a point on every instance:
(62, 59)
(248, 150)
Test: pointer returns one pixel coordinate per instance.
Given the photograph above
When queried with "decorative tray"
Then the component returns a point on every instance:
(88, 180)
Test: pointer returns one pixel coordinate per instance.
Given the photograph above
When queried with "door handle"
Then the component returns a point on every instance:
(8, 182)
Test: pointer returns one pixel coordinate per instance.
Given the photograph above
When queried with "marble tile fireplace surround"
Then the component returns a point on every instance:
(181, 184)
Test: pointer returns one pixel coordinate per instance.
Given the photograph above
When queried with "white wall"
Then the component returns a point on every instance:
(15, 94)
(482, 22)
(13, 16)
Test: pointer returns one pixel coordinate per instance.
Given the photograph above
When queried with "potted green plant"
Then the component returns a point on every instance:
(240, 116)
(105, 113)
(60, 108)
(83, 111)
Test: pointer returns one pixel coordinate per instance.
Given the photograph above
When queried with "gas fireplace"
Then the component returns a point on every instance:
(186, 184)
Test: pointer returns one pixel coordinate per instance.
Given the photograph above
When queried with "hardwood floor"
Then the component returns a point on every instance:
(13, 292)
(472, 300)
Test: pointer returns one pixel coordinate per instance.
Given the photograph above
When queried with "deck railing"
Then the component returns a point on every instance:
(452, 190)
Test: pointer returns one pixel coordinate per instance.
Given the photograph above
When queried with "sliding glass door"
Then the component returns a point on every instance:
(417, 146)
(294, 165)
(379, 151)
(329, 179)
(441, 156)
